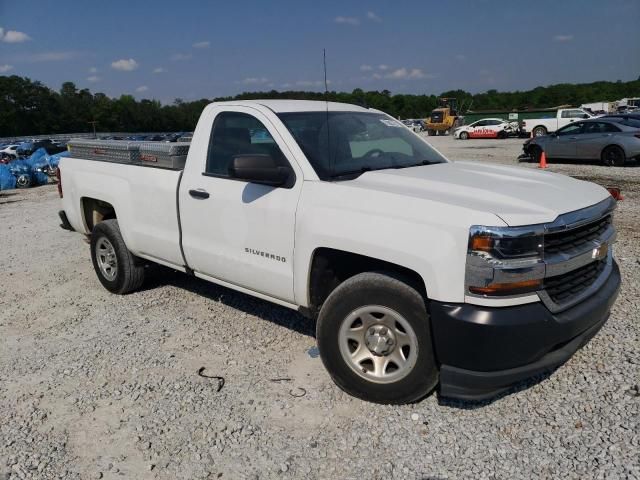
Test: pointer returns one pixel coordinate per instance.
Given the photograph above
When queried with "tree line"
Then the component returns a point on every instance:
(29, 107)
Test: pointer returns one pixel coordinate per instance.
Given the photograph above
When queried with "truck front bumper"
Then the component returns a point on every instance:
(483, 351)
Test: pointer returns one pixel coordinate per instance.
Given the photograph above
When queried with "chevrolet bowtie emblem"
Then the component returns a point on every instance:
(600, 252)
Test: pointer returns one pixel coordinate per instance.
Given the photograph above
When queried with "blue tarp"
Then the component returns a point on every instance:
(54, 160)
(40, 157)
(7, 180)
(29, 171)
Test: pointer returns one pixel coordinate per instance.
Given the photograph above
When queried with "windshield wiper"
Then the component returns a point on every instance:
(353, 173)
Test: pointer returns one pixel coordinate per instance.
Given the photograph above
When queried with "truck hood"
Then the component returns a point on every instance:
(519, 196)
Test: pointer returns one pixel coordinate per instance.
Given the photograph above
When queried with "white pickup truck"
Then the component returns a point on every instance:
(544, 125)
(422, 273)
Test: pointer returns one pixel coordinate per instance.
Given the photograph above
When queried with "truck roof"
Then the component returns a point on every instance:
(282, 106)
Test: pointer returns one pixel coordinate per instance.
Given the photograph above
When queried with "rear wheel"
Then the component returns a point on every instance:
(117, 268)
(374, 339)
(613, 156)
(464, 135)
(539, 131)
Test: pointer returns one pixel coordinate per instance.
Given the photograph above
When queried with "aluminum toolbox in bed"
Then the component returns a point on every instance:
(152, 154)
(164, 155)
(118, 151)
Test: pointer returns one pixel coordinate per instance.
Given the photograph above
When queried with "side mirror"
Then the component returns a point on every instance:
(585, 116)
(259, 168)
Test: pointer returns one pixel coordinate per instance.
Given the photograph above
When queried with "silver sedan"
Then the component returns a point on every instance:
(612, 141)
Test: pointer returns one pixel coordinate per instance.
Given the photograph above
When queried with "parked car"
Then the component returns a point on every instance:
(485, 128)
(543, 126)
(420, 271)
(606, 139)
(415, 125)
(27, 148)
(10, 150)
(629, 119)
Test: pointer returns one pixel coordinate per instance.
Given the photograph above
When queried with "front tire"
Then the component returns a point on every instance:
(374, 338)
(117, 268)
(613, 156)
(464, 135)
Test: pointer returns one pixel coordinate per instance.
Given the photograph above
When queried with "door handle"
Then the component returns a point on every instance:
(199, 193)
(573, 138)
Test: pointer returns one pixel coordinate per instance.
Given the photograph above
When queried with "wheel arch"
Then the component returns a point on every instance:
(95, 211)
(329, 267)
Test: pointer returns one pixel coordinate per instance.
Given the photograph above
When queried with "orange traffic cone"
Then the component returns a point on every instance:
(543, 160)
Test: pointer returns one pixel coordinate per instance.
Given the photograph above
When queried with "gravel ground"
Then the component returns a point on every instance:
(94, 385)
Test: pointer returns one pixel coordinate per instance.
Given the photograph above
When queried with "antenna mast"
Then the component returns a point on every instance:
(326, 101)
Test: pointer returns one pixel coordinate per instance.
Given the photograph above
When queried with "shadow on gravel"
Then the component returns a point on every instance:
(519, 387)
(157, 276)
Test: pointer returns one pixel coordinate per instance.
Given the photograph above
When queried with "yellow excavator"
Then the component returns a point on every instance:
(444, 118)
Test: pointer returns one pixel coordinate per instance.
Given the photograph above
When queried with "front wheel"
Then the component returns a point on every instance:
(613, 156)
(464, 136)
(117, 268)
(374, 339)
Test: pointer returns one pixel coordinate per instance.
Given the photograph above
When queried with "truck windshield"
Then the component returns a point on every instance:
(343, 145)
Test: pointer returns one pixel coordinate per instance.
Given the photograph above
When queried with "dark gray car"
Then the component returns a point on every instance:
(606, 139)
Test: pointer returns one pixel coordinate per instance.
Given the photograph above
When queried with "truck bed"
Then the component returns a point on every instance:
(151, 229)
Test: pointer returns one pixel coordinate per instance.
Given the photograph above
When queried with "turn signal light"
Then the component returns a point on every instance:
(481, 243)
(502, 289)
(616, 193)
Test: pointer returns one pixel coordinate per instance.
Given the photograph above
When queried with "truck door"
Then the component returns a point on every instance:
(238, 232)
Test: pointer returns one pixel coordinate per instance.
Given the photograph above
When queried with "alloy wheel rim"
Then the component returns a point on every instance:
(106, 258)
(378, 344)
(613, 156)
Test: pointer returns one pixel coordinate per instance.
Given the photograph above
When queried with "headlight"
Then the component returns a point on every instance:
(504, 261)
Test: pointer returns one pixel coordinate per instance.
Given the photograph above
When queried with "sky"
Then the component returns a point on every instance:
(204, 49)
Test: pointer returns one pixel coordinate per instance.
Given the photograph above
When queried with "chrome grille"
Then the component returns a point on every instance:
(563, 288)
(577, 238)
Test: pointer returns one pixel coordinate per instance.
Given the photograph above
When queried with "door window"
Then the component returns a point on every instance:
(608, 128)
(572, 114)
(573, 129)
(235, 134)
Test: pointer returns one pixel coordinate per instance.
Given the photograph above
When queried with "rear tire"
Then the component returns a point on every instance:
(117, 268)
(367, 324)
(613, 156)
(539, 131)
